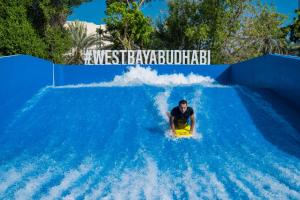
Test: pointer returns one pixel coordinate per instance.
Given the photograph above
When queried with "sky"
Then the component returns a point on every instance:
(94, 10)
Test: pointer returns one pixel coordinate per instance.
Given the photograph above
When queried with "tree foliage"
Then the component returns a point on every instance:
(17, 34)
(206, 24)
(128, 26)
(35, 27)
(294, 35)
(80, 41)
(262, 32)
(295, 28)
(233, 30)
(138, 2)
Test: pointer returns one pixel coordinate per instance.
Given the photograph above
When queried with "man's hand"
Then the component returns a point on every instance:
(173, 132)
(172, 126)
(192, 124)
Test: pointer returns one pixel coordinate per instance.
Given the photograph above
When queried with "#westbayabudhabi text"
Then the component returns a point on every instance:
(169, 57)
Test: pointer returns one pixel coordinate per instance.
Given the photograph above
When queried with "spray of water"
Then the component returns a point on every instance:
(138, 75)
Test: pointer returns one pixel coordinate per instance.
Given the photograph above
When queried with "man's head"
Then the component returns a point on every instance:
(182, 106)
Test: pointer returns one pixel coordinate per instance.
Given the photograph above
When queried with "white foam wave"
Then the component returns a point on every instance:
(29, 104)
(161, 102)
(86, 185)
(80, 190)
(196, 104)
(13, 176)
(292, 175)
(269, 187)
(149, 182)
(215, 186)
(242, 186)
(96, 191)
(138, 75)
(192, 184)
(69, 179)
(32, 186)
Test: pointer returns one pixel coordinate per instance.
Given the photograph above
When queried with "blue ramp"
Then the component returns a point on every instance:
(112, 142)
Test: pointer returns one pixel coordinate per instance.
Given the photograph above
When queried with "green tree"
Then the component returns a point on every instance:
(295, 28)
(262, 33)
(17, 35)
(80, 42)
(233, 30)
(35, 27)
(58, 42)
(128, 26)
(103, 35)
(294, 35)
(206, 24)
(139, 2)
(49, 17)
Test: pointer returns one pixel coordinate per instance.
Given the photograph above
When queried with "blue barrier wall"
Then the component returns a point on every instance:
(77, 74)
(21, 77)
(278, 73)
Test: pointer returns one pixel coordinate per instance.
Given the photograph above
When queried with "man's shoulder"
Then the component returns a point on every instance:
(190, 110)
(174, 110)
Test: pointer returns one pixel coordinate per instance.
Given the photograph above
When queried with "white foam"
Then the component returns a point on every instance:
(29, 104)
(86, 185)
(78, 191)
(146, 180)
(269, 187)
(196, 105)
(149, 182)
(161, 102)
(32, 186)
(215, 185)
(192, 184)
(13, 176)
(290, 174)
(138, 75)
(242, 186)
(32, 102)
(96, 191)
(69, 179)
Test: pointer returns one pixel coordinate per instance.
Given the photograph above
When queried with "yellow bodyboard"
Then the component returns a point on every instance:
(183, 133)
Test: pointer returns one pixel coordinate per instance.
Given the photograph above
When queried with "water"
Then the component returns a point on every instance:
(111, 141)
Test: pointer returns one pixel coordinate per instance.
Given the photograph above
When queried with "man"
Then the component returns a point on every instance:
(182, 116)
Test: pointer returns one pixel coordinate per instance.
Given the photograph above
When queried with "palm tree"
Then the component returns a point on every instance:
(104, 39)
(81, 41)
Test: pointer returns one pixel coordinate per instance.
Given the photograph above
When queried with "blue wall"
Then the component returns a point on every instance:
(280, 74)
(76, 74)
(21, 77)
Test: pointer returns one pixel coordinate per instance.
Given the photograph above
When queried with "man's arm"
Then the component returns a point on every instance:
(192, 123)
(172, 125)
